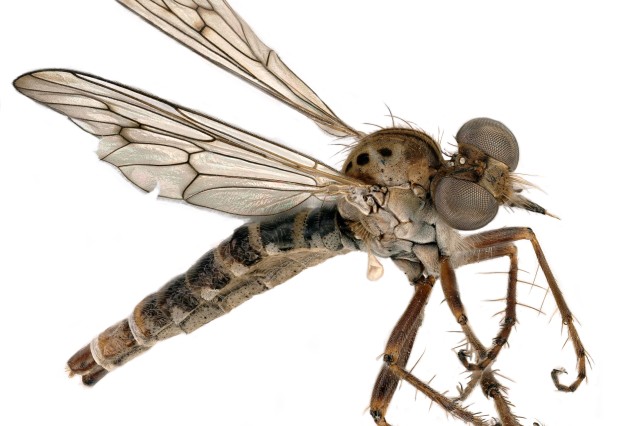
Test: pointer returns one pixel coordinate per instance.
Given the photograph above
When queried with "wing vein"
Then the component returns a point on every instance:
(185, 154)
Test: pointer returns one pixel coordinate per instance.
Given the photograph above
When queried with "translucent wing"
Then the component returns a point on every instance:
(186, 154)
(212, 29)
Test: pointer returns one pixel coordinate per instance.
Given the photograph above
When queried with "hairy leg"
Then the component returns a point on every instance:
(396, 356)
(509, 235)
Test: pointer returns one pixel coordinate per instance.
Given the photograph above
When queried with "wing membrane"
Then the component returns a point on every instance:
(185, 154)
(212, 29)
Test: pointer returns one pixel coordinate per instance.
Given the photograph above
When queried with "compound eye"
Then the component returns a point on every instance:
(464, 205)
(491, 137)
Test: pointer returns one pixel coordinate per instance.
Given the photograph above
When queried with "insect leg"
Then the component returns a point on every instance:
(510, 235)
(451, 406)
(480, 255)
(494, 390)
(452, 296)
(482, 375)
(399, 348)
(396, 356)
(476, 256)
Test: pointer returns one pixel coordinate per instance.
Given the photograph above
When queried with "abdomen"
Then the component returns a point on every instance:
(257, 257)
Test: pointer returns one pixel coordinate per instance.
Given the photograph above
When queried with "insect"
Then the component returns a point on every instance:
(397, 196)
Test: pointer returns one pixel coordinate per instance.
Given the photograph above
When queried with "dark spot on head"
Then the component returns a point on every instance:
(385, 152)
(348, 166)
(362, 159)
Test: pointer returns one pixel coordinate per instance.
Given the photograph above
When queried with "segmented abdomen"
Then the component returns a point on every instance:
(257, 257)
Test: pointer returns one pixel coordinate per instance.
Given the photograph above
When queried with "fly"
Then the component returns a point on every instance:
(397, 196)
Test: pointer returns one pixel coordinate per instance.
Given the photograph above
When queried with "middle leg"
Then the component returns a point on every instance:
(452, 295)
(480, 372)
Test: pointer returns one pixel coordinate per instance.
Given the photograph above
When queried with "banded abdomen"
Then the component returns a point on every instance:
(257, 257)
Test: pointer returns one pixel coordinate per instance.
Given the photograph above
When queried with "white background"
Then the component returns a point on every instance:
(81, 246)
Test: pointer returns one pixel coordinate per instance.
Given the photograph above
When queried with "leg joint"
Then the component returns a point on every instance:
(499, 341)
(508, 321)
(376, 414)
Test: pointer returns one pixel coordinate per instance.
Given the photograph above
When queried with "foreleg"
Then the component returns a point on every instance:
(510, 235)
